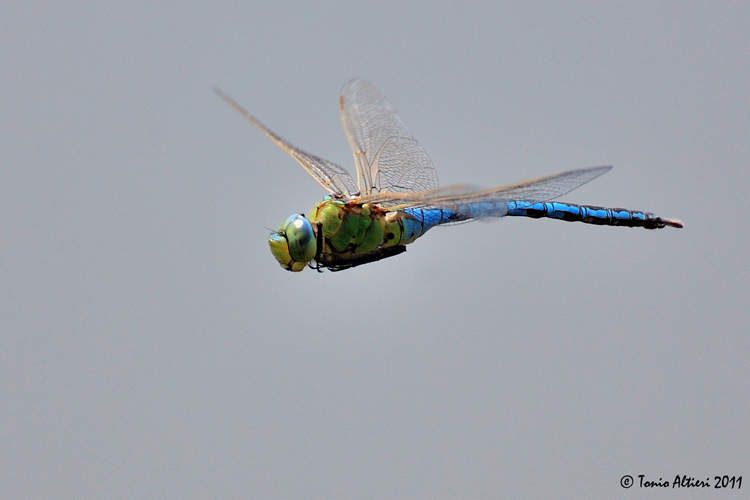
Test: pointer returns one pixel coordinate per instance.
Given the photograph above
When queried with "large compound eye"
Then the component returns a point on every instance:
(293, 244)
(301, 238)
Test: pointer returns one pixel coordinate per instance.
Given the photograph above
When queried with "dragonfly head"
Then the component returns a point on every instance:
(293, 244)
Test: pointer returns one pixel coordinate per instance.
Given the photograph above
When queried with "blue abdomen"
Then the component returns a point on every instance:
(419, 220)
(588, 214)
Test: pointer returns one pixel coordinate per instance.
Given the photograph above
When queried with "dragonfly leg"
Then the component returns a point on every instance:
(319, 246)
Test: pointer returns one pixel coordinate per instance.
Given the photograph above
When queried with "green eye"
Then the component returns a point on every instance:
(293, 244)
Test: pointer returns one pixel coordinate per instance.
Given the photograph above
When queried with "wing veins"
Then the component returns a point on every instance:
(540, 189)
(331, 177)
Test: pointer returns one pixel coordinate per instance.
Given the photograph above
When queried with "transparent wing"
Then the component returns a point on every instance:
(491, 202)
(333, 178)
(387, 157)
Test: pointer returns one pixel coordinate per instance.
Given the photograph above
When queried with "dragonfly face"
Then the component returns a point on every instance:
(293, 244)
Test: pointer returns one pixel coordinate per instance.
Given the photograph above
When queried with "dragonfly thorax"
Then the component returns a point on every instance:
(293, 244)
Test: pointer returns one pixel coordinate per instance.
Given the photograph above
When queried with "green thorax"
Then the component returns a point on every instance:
(352, 229)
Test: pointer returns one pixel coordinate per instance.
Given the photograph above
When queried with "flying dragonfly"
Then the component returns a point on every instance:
(396, 197)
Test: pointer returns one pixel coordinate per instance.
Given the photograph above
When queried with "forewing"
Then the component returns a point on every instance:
(333, 178)
(387, 157)
(473, 204)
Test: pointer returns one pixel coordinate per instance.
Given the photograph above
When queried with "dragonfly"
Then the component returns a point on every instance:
(396, 198)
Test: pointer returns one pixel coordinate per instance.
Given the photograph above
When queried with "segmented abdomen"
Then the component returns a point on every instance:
(419, 220)
(589, 214)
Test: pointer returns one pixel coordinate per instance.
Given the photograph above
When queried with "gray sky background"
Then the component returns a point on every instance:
(153, 348)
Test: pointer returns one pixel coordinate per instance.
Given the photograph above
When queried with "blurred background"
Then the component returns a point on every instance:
(153, 348)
